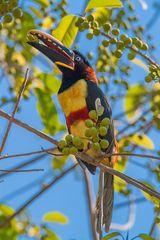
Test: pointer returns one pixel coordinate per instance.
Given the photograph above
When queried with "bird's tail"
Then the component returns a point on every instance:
(104, 204)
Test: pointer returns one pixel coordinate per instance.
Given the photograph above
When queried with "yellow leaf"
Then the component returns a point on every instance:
(36, 12)
(103, 3)
(66, 31)
(142, 141)
(55, 217)
(47, 22)
(18, 57)
(140, 63)
(102, 15)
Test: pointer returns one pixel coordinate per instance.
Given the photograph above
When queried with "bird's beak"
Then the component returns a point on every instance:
(53, 49)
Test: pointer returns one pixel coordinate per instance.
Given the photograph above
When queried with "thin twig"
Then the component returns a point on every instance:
(133, 154)
(28, 128)
(90, 203)
(36, 195)
(14, 111)
(21, 171)
(26, 154)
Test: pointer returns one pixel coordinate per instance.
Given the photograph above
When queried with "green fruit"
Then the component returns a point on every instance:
(7, 18)
(148, 78)
(131, 55)
(85, 25)
(123, 37)
(105, 43)
(96, 146)
(88, 132)
(127, 40)
(115, 31)
(62, 144)
(90, 18)
(139, 43)
(107, 27)
(77, 141)
(103, 131)
(93, 114)
(89, 36)
(89, 123)
(104, 144)
(95, 24)
(17, 12)
(94, 131)
(96, 31)
(105, 122)
(65, 150)
(81, 146)
(118, 53)
(113, 40)
(95, 139)
(145, 46)
(73, 150)
(120, 44)
(69, 138)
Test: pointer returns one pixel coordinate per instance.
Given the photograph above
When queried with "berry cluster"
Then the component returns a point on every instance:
(154, 73)
(9, 11)
(95, 134)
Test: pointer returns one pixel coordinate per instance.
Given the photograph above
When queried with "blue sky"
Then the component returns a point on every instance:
(68, 196)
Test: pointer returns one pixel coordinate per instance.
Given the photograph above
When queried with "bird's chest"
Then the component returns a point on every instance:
(73, 103)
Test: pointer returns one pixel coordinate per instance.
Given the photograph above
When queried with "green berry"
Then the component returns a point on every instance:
(95, 24)
(77, 141)
(145, 46)
(93, 114)
(65, 150)
(120, 44)
(123, 37)
(103, 131)
(148, 78)
(81, 146)
(105, 43)
(73, 150)
(89, 123)
(138, 44)
(85, 25)
(96, 31)
(104, 144)
(88, 132)
(96, 146)
(17, 12)
(127, 40)
(94, 131)
(105, 122)
(7, 18)
(69, 138)
(115, 31)
(107, 27)
(131, 55)
(89, 36)
(118, 53)
(62, 144)
(113, 40)
(90, 18)
(95, 139)
(79, 21)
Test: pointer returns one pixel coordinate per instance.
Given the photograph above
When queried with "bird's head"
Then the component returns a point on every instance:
(71, 63)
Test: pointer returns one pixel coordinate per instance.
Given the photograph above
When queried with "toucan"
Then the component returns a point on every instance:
(77, 95)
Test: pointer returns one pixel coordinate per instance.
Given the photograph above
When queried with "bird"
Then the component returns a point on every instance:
(78, 94)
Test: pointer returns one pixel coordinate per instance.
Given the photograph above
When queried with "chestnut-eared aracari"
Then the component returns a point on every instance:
(77, 95)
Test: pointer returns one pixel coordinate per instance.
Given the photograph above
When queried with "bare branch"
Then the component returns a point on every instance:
(29, 128)
(14, 111)
(21, 171)
(90, 202)
(133, 154)
(35, 196)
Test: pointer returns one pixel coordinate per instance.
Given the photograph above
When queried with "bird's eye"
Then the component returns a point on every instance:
(78, 58)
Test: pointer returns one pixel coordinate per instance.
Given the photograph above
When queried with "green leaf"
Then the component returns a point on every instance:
(66, 31)
(134, 96)
(36, 12)
(102, 15)
(103, 3)
(145, 237)
(50, 235)
(47, 111)
(140, 63)
(142, 141)
(51, 83)
(44, 3)
(55, 217)
(111, 235)
(149, 197)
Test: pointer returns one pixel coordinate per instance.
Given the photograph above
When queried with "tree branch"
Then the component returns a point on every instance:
(14, 111)
(36, 195)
